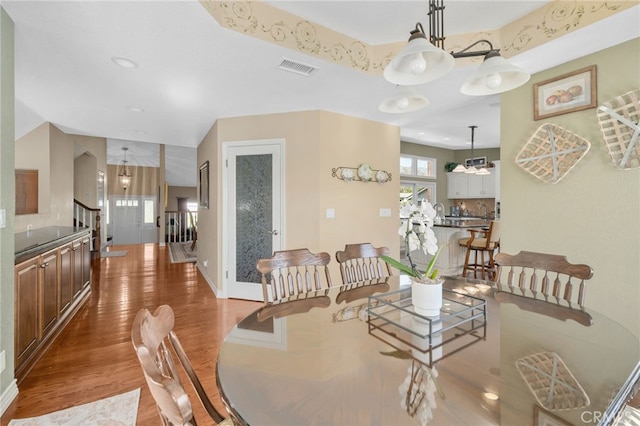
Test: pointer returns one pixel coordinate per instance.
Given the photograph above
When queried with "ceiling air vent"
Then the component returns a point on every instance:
(297, 67)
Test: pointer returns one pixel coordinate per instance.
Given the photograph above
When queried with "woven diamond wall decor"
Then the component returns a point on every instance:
(552, 152)
(619, 121)
(551, 382)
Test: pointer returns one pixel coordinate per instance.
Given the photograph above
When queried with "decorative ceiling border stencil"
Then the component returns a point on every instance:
(555, 20)
(268, 23)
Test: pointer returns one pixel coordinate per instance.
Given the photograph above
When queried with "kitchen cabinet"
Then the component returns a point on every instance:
(463, 185)
(482, 186)
(51, 280)
(457, 185)
(26, 309)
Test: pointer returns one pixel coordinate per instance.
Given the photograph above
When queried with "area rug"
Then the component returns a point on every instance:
(182, 253)
(119, 410)
(113, 253)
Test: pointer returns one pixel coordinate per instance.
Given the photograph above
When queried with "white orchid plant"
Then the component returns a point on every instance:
(417, 233)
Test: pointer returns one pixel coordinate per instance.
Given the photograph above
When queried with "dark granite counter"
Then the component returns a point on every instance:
(471, 222)
(32, 243)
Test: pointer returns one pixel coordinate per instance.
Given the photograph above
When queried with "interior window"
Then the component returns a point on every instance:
(412, 165)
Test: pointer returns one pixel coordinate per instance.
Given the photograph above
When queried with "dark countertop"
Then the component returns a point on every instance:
(471, 222)
(32, 243)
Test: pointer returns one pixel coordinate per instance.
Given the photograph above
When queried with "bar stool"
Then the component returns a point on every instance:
(483, 241)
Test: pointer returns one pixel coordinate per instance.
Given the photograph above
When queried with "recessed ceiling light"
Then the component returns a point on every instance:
(447, 139)
(135, 109)
(141, 132)
(124, 62)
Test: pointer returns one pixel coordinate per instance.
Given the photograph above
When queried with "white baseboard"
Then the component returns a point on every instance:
(215, 290)
(9, 394)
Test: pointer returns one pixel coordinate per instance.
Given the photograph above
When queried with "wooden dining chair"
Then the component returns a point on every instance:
(544, 283)
(292, 275)
(151, 336)
(481, 241)
(360, 262)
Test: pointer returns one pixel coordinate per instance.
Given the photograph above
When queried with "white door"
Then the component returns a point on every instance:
(252, 220)
(133, 220)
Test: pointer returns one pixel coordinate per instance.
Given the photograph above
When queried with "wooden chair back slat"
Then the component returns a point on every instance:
(361, 262)
(293, 274)
(555, 299)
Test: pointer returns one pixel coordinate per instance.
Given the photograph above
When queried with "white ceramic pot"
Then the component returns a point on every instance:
(427, 298)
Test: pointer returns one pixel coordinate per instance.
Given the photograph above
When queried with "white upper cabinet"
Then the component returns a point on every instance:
(463, 185)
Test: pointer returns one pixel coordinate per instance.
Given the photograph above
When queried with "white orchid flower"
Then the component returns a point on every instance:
(414, 242)
(430, 244)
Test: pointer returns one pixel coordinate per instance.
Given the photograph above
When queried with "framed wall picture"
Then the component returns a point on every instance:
(476, 161)
(542, 417)
(570, 92)
(204, 185)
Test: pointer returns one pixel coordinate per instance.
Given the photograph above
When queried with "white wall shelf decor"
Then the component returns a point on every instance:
(362, 173)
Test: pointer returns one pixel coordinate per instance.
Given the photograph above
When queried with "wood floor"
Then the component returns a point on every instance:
(93, 357)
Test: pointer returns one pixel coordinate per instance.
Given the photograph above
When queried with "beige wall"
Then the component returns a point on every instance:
(32, 152)
(144, 181)
(181, 191)
(315, 142)
(85, 185)
(593, 215)
(49, 150)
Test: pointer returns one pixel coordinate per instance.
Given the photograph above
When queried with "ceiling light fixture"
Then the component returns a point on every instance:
(424, 60)
(460, 168)
(403, 100)
(124, 174)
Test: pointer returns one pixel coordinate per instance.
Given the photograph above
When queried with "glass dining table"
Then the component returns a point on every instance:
(367, 359)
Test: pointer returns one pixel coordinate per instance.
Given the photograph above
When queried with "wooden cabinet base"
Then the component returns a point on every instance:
(27, 364)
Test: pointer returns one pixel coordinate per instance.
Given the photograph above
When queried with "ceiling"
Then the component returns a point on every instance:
(192, 71)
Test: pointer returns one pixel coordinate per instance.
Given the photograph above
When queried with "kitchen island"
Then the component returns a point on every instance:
(448, 232)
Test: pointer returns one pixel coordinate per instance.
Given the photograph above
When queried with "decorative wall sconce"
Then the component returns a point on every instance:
(362, 173)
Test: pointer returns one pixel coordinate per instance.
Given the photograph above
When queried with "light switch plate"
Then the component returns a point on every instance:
(331, 213)
(3, 218)
(385, 212)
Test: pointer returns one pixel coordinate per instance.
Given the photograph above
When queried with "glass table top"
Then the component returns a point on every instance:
(365, 360)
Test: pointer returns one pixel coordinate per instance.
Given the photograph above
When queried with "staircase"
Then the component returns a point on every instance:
(87, 217)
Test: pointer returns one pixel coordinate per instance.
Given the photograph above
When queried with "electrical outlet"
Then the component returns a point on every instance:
(3, 361)
(331, 213)
(205, 263)
(385, 212)
(29, 227)
(3, 218)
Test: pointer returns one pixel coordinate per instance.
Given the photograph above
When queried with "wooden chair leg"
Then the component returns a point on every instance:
(466, 262)
(482, 267)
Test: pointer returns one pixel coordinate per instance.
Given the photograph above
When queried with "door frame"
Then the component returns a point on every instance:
(226, 145)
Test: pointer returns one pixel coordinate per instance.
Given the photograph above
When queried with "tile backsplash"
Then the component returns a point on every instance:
(481, 207)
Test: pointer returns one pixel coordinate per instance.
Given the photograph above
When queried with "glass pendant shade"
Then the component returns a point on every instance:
(495, 75)
(403, 100)
(459, 169)
(419, 62)
(471, 170)
(124, 173)
(483, 171)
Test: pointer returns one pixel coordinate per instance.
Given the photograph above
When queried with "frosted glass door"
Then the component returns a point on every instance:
(254, 227)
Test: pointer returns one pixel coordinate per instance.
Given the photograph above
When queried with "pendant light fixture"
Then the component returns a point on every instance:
(403, 99)
(424, 59)
(471, 169)
(124, 174)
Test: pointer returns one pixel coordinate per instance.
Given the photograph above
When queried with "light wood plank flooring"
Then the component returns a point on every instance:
(93, 357)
